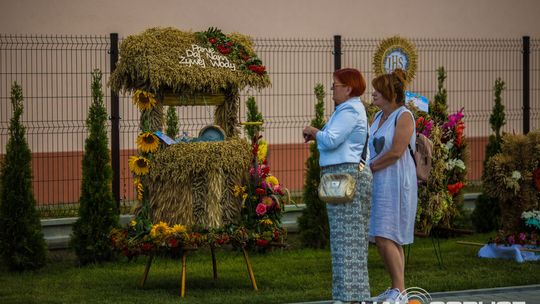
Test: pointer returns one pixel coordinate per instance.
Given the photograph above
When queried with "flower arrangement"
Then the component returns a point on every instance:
(528, 236)
(532, 219)
(220, 42)
(439, 199)
(162, 238)
(263, 198)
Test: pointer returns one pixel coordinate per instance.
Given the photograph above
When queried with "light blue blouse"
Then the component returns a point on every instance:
(343, 137)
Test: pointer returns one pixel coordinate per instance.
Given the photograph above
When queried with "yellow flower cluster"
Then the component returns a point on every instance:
(162, 230)
(140, 188)
(267, 222)
(145, 101)
(272, 180)
(263, 150)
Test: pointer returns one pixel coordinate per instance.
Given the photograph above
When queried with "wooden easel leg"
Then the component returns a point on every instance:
(214, 264)
(146, 270)
(183, 275)
(250, 270)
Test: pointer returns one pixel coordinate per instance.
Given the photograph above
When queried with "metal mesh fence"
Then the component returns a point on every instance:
(54, 72)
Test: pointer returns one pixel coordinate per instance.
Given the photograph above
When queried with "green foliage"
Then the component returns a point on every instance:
(486, 215)
(98, 211)
(439, 108)
(172, 122)
(314, 230)
(253, 115)
(22, 246)
(497, 121)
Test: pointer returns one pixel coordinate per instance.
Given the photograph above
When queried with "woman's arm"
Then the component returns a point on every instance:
(338, 130)
(402, 136)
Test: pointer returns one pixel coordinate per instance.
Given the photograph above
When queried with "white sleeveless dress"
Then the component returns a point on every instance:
(395, 189)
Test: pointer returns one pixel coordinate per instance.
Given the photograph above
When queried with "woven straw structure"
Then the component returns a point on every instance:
(192, 184)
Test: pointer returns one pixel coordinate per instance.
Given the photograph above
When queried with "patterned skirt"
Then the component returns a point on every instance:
(349, 224)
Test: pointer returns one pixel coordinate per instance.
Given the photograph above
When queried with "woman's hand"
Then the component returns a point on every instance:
(309, 133)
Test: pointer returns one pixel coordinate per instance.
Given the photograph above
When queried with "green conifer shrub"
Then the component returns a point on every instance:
(98, 212)
(22, 246)
(487, 213)
(313, 224)
(172, 122)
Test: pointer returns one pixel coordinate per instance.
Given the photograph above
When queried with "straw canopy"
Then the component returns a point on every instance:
(169, 60)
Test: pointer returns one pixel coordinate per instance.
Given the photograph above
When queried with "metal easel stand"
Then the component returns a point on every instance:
(214, 267)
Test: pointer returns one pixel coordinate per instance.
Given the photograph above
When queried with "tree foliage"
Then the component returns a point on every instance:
(313, 223)
(98, 212)
(487, 213)
(21, 241)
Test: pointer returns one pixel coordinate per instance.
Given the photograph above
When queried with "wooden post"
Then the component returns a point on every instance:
(183, 275)
(214, 264)
(250, 270)
(146, 270)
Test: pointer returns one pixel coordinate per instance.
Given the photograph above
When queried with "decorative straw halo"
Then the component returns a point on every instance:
(395, 52)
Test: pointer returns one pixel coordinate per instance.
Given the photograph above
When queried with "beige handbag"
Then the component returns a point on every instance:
(337, 188)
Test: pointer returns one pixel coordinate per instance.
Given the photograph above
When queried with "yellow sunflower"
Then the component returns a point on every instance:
(272, 180)
(147, 142)
(263, 151)
(160, 229)
(139, 165)
(145, 101)
(179, 228)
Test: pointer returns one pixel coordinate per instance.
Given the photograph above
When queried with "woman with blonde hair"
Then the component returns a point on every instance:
(395, 188)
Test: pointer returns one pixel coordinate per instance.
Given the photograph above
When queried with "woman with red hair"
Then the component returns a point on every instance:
(342, 145)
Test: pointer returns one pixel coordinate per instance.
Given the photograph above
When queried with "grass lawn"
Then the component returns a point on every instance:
(283, 276)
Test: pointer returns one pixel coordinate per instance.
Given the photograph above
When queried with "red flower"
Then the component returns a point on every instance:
(212, 40)
(261, 209)
(454, 188)
(276, 235)
(173, 243)
(262, 243)
(459, 133)
(266, 170)
(146, 246)
(260, 191)
(536, 179)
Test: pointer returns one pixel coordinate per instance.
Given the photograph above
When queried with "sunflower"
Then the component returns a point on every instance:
(263, 151)
(147, 142)
(179, 228)
(139, 165)
(145, 101)
(160, 229)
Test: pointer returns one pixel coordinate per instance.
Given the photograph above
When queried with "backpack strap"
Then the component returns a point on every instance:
(408, 145)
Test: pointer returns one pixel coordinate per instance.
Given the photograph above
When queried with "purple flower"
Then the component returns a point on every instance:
(453, 119)
(511, 240)
(522, 236)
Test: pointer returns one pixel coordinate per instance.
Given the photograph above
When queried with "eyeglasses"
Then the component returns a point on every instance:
(334, 85)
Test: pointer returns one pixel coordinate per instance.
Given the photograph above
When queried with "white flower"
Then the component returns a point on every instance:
(516, 175)
(531, 214)
(449, 145)
(451, 164)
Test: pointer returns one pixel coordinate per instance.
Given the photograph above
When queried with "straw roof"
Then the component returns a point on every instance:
(157, 60)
